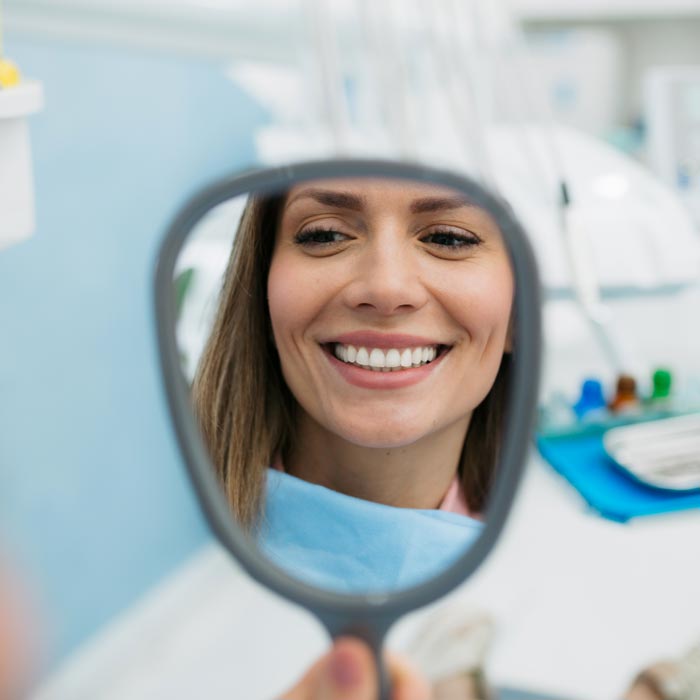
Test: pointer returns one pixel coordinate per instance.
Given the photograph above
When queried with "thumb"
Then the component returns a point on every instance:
(350, 672)
(347, 672)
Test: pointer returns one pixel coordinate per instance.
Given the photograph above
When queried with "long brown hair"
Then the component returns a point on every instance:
(243, 405)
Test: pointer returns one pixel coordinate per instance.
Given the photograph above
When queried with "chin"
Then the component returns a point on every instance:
(387, 437)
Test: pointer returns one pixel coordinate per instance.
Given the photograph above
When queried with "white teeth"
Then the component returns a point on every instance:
(362, 357)
(391, 360)
(377, 359)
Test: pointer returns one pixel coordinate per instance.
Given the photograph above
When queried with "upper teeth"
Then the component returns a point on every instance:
(385, 360)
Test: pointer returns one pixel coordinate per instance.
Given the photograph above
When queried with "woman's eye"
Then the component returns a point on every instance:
(451, 240)
(320, 237)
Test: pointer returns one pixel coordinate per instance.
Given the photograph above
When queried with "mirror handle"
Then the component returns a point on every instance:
(370, 631)
(382, 675)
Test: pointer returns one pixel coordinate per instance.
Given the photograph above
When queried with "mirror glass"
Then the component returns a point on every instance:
(347, 344)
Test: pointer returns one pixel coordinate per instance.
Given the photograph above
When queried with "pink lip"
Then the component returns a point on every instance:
(367, 379)
(372, 339)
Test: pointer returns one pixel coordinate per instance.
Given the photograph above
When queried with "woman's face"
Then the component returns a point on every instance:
(390, 304)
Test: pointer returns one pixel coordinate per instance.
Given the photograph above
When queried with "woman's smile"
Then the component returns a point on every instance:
(392, 360)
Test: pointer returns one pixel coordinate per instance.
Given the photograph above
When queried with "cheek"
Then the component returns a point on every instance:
(485, 304)
(294, 296)
(284, 297)
(277, 301)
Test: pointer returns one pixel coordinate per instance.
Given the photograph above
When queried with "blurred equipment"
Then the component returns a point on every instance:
(579, 72)
(626, 395)
(673, 118)
(677, 679)
(18, 99)
(591, 399)
(451, 648)
(663, 453)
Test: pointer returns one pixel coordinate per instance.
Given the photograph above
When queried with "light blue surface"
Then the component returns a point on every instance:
(93, 496)
(348, 545)
(606, 487)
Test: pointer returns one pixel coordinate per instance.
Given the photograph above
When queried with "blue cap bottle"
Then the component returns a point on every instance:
(592, 398)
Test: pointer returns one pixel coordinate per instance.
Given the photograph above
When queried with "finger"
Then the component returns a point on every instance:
(16, 643)
(406, 682)
(310, 680)
(347, 672)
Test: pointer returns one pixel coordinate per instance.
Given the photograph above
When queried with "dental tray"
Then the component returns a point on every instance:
(664, 454)
(580, 457)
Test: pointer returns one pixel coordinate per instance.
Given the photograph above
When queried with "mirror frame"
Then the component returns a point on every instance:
(368, 616)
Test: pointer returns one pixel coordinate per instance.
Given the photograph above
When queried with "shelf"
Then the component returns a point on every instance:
(602, 10)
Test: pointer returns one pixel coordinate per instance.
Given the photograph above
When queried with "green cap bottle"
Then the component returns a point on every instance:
(661, 380)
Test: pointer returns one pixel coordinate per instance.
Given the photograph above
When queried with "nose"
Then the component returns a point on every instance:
(387, 278)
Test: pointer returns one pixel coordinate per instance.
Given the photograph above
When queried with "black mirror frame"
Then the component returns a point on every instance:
(367, 616)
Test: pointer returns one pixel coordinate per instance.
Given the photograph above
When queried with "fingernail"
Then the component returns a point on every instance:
(345, 671)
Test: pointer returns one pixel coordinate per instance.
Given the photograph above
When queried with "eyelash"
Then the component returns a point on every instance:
(311, 236)
(465, 241)
(306, 237)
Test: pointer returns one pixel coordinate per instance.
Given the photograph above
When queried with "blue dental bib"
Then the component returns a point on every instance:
(349, 545)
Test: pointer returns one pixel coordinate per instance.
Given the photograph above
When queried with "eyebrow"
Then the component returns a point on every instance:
(346, 200)
(332, 198)
(430, 204)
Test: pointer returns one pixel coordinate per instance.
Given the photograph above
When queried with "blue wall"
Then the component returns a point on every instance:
(93, 495)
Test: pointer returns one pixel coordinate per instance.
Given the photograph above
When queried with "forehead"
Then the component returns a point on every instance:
(364, 192)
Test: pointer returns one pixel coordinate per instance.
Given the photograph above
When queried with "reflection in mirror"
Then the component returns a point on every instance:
(348, 347)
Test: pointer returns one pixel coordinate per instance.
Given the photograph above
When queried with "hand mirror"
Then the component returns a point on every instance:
(351, 351)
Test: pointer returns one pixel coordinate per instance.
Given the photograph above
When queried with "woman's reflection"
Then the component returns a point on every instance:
(361, 348)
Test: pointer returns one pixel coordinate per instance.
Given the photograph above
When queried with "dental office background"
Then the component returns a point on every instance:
(143, 102)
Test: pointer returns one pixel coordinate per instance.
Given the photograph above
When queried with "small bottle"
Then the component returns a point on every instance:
(626, 399)
(591, 399)
(662, 381)
(9, 74)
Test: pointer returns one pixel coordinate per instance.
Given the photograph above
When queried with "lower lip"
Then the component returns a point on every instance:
(370, 379)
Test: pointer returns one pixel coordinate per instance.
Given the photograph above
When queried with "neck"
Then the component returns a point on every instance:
(413, 476)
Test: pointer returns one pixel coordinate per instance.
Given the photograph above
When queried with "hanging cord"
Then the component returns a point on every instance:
(333, 103)
(377, 70)
(571, 226)
(478, 75)
(463, 118)
(374, 68)
(541, 112)
(576, 240)
(405, 127)
(387, 72)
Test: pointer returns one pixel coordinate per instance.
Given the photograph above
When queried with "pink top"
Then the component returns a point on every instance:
(453, 502)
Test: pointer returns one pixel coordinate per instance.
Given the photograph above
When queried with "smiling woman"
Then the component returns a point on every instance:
(359, 359)
(389, 303)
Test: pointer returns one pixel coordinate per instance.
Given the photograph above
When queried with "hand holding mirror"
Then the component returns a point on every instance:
(350, 351)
